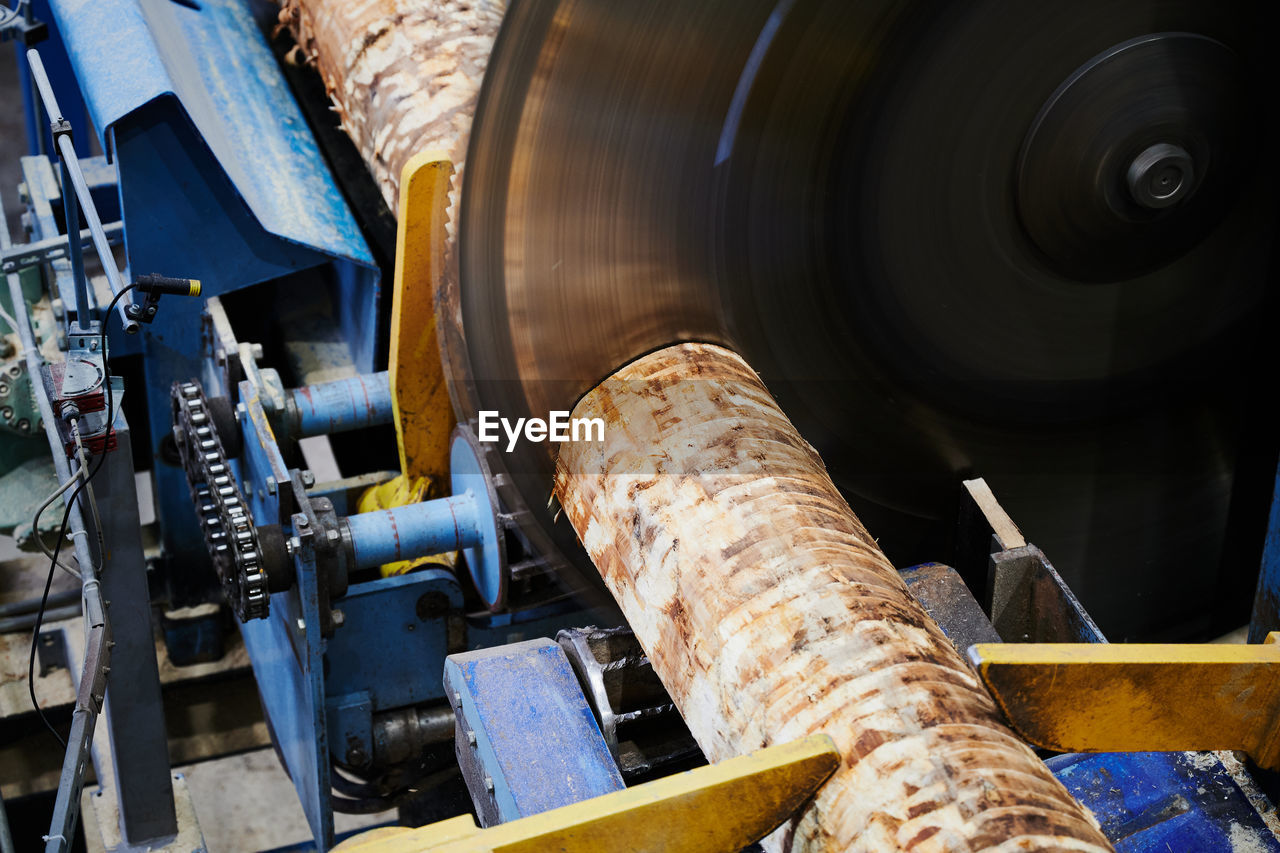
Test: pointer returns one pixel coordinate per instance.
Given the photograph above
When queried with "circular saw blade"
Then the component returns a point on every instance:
(833, 189)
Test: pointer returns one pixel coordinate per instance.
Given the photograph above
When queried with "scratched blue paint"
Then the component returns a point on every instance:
(1165, 802)
(286, 649)
(219, 179)
(421, 529)
(388, 647)
(345, 404)
(536, 737)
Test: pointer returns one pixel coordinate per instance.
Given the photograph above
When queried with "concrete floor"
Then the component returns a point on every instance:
(245, 802)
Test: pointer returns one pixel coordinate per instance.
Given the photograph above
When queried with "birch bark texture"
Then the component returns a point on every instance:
(404, 75)
(770, 613)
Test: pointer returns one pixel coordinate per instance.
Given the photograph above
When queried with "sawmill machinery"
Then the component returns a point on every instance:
(586, 425)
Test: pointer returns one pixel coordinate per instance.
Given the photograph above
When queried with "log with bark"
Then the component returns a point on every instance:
(404, 75)
(770, 613)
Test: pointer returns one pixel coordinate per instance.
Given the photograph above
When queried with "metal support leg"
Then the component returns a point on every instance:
(71, 211)
(134, 714)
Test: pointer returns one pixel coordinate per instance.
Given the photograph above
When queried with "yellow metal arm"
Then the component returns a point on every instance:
(723, 807)
(1095, 697)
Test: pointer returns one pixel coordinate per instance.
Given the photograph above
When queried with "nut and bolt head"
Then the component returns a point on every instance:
(1161, 176)
(271, 485)
(24, 425)
(308, 478)
(4, 388)
(339, 618)
(471, 737)
(292, 545)
(488, 784)
(303, 523)
(6, 413)
(333, 536)
(302, 624)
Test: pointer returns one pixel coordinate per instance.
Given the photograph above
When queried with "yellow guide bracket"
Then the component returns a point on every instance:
(723, 807)
(423, 413)
(419, 395)
(1096, 697)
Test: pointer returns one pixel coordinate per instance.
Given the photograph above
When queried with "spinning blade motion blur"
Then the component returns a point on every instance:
(1023, 241)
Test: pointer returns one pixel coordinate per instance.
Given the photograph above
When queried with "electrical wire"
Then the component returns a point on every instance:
(84, 462)
(66, 515)
(9, 14)
(35, 522)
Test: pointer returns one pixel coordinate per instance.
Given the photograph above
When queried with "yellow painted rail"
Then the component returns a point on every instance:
(723, 807)
(1096, 697)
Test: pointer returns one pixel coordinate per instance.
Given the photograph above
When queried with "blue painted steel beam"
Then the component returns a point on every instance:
(416, 530)
(342, 405)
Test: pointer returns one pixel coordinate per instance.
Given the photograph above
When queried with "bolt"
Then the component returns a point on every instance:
(303, 523)
(1161, 176)
(24, 425)
(488, 784)
(308, 478)
(271, 485)
(339, 618)
(471, 737)
(6, 413)
(242, 410)
(333, 536)
(4, 388)
(256, 351)
(293, 545)
(302, 624)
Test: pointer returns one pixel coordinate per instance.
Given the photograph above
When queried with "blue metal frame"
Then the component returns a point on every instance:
(219, 179)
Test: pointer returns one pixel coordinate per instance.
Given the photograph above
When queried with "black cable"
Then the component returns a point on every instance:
(66, 516)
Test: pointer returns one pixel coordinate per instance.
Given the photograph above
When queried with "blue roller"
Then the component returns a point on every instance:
(416, 530)
(342, 405)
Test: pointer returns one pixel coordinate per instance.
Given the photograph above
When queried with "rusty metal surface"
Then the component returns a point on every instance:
(770, 613)
(1139, 697)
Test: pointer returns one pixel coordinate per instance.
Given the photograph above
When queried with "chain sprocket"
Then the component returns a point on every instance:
(228, 526)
